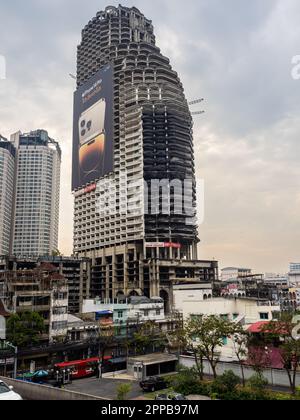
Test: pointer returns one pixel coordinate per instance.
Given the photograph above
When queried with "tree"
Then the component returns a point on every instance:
(24, 329)
(56, 253)
(146, 335)
(122, 391)
(205, 336)
(240, 340)
(286, 332)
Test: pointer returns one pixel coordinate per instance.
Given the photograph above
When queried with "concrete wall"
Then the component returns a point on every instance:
(275, 377)
(36, 392)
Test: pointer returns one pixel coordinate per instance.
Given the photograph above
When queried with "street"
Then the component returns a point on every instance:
(105, 388)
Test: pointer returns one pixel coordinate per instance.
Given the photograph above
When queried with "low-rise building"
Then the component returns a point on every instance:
(76, 271)
(276, 279)
(246, 310)
(195, 292)
(129, 313)
(294, 275)
(243, 310)
(41, 290)
(233, 273)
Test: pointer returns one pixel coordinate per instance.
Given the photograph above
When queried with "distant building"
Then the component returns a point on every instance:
(294, 274)
(7, 172)
(276, 279)
(37, 191)
(233, 273)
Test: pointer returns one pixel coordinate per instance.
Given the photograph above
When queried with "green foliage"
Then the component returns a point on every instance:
(187, 382)
(24, 329)
(226, 388)
(122, 391)
(56, 253)
(148, 334)
(190, 387)
(297, 393)
(257, 382)
(205, 335)
(227, 382)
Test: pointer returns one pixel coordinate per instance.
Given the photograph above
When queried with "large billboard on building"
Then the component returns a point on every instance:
(93, 129)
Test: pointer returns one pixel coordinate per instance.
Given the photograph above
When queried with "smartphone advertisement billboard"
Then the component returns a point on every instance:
(93, 129)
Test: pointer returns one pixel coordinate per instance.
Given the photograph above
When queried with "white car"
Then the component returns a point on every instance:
(7, 393)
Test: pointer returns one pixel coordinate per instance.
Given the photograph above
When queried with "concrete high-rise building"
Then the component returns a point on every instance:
(7, 169)
(154, 245)
(36, 197)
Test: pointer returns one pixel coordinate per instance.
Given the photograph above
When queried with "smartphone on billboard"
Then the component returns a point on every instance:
(92, 141)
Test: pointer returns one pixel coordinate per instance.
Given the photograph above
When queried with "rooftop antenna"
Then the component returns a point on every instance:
(195, 102)
(198, 113)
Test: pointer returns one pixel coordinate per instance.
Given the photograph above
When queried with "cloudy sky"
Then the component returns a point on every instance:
(237, 55)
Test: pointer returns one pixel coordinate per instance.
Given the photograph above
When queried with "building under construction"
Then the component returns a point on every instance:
(148, 249)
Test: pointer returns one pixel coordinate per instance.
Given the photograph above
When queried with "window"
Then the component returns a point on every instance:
(57, 326)
(158, 312)
(120, 314)
(264, 316)
(3, 388)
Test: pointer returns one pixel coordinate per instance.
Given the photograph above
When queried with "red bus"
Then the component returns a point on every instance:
(79, 368)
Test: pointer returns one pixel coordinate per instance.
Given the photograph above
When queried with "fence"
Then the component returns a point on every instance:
(275, 377)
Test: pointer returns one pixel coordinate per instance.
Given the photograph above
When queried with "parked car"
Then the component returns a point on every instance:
(153, 384)
(162, 397)
(178, 397)
(7, 393)
(170, 397)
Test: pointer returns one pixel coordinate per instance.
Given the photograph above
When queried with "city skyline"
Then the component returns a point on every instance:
(251, 195)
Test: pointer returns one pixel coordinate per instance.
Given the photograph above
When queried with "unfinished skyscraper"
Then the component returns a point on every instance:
(136, 218)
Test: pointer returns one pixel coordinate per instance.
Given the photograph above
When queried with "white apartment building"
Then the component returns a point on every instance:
(246, 311)
(135, 309)
(37, 190)
(7, 168)
(191, 293)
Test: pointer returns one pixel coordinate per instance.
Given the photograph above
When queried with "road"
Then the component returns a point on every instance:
(105, 388)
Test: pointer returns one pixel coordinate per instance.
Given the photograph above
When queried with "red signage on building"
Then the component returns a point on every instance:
(86, 190)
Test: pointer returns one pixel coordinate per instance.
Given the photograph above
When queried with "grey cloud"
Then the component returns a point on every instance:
(235, 54)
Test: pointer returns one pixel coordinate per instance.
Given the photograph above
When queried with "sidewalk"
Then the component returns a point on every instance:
(119, 376)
